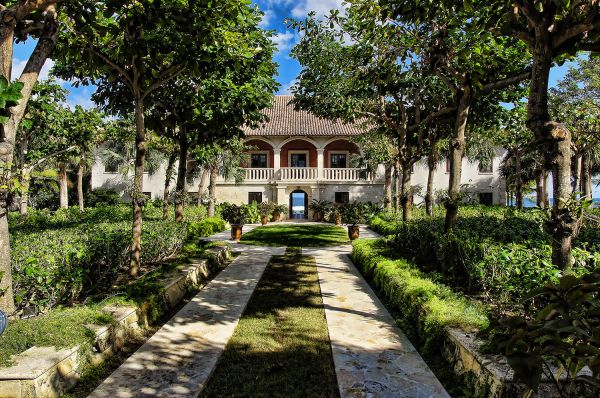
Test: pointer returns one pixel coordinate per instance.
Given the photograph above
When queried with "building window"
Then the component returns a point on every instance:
(486, 167)
(299, 159)
(111, 168)
(258, 160)
(254, 197)
(338, 161)
(147, 194)
(342, 197)
(486, 198)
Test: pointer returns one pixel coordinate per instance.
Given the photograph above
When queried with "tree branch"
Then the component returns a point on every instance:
(38, 162)
(170, 73)
(499, 84)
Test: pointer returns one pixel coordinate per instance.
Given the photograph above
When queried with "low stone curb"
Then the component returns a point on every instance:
(48, 372)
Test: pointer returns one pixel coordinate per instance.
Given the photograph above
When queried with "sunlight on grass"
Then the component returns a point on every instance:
(280, 347)
(296, 235)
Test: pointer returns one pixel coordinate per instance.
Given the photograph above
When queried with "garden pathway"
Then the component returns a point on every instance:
(178, 360)
(372, 357)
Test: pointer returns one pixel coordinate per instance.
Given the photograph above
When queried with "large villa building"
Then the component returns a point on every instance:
(299, 157)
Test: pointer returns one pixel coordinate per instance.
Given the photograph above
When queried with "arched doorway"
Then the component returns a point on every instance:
(298, 204)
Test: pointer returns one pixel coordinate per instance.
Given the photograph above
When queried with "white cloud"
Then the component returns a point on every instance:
(321, 7)
(267, 18)
(284, 40)
(287, 88)
(19, 66)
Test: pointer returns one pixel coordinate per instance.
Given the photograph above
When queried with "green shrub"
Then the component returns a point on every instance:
(64, 256)
(252, 212)
(425, 307)
(101, 196)
(206, 227)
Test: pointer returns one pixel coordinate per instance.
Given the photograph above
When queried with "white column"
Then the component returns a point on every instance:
(276, 163)
(320, 163)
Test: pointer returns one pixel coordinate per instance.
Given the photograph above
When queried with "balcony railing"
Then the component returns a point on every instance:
(341, 174)
(299, 173)
(302, 174)
(260, 174)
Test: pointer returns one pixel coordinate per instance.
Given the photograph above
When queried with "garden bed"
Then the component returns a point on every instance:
(50, 371)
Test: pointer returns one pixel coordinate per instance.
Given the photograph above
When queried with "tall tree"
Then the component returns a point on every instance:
(142, 47)
(19, 19)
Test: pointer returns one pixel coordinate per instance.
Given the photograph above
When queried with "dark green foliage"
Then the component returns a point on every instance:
(234, 214)
(101, 196)
(425, 306)
(10, 94)
(65, 256)
(495, 251)
(562, 339)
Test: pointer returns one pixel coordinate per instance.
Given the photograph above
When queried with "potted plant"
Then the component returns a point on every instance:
(319, 208)
(278, 210)
(236, 216)
(265, 208)
(352, 215)
(335, 213)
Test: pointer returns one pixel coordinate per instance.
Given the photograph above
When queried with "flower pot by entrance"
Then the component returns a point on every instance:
(353, 232)
(264, 220)
(338, 220)
(276, 216)
(236, 232)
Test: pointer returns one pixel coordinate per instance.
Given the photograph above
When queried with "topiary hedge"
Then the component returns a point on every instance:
(425, 307)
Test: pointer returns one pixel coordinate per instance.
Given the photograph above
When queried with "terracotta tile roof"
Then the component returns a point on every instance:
(284, 120)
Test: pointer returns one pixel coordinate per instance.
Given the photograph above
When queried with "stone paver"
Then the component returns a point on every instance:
(178, 360)
(372, 357)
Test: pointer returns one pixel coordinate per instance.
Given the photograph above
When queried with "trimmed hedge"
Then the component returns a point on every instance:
(58, 260)
(499, 252)
(425, 306)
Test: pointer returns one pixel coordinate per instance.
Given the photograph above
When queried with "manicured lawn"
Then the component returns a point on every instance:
(280, 347)
(297, 235)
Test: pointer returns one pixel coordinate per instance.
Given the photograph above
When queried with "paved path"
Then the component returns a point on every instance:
(372, 357)
(178, 360)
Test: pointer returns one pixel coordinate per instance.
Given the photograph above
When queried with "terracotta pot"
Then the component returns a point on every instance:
(236, 232)
(276, 216)
(353, 232)
(338, 220)
(318, 216)
(264, 220)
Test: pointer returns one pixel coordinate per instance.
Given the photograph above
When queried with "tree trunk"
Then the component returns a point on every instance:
(539, 190)
(557, 141)
(169, 175)
(406, 196)
(63, 185)
(180, 190)
(25, 181)
(397, 181)
(34, 65)
(212, 189)
(545, 189)
(387, 188)
(138, 187)
(80, 169)
(202, 184)
(518, 182)
(457, 150)
(430, 175)
(586, 177)
(576, 167)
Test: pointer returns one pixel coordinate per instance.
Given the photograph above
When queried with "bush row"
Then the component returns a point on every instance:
(60, 265)
(425, 307)
(502, 254)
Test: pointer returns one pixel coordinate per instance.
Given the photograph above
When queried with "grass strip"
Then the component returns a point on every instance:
(302, 235)
(281, 346)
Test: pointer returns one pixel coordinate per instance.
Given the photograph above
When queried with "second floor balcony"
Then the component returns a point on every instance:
(304, 174)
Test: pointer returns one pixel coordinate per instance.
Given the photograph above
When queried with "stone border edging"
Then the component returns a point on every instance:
(48, 372)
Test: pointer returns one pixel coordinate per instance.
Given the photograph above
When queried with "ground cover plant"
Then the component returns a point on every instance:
(301, 235)
(280, 347)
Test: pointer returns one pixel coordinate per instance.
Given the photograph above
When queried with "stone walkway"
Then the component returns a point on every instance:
(178, 360)
(372, 356)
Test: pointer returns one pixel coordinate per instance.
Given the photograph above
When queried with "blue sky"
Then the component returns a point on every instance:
(276, 11)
